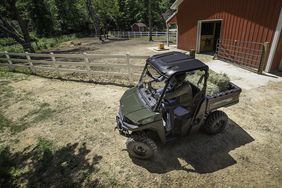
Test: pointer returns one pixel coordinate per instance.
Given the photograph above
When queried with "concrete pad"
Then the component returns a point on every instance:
(241, 77)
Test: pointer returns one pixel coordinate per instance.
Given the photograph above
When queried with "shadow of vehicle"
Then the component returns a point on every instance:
(198, 152)
(42, 167)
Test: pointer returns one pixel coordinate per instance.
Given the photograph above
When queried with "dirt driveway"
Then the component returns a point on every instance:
(113, 46)
(60, 133)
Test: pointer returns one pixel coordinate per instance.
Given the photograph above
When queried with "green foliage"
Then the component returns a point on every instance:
(45, 43)
(58, 17)
(40, 44)
(41, 18)
(71, 15)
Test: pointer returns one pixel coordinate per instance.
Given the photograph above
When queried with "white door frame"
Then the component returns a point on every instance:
(274, 43)
(199, 29)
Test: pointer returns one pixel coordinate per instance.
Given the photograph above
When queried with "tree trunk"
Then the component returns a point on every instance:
(150, 20)
(94, 19)
(24, 28)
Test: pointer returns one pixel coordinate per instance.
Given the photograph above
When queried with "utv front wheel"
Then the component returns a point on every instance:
(216, 122)
(140, 146)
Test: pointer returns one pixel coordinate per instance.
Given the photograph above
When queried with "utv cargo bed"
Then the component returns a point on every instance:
(224, 99)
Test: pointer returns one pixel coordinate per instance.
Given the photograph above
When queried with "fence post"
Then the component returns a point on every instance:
(130, 78)
(264, 57)
(55, 64)
(11, 66)
(87, 65)
(32, 69)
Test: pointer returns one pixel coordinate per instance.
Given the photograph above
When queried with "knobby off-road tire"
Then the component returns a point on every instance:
(140, 146)
(215, 123)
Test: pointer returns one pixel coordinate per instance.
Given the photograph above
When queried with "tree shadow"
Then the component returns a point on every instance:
(42, 167)
(199, 153)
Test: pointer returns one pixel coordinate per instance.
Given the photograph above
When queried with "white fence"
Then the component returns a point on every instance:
(127, 66)
(136, 34)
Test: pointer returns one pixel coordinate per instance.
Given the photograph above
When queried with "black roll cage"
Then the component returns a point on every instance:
(206, 75)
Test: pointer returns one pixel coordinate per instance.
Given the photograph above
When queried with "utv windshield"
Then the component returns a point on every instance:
(151, 86)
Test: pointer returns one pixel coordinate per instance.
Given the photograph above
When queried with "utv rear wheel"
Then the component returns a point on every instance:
(216, 122)
(140, 146)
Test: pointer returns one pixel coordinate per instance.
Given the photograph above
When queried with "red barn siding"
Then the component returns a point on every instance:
(173, 20)
(243, 20)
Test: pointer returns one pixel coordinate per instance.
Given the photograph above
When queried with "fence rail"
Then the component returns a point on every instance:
(136, 34)
(127, 66)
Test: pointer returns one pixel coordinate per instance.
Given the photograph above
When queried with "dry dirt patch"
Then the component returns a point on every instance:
(87, 151)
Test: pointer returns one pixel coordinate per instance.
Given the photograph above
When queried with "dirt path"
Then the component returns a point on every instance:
(79, 119)
(113, 46)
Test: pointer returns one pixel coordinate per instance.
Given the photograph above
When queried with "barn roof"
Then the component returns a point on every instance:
(175, 5)
(169, 14)
(139, 24)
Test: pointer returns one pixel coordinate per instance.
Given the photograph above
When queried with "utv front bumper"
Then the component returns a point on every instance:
(123, 126)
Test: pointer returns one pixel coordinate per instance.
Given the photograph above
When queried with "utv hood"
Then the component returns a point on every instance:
(134, 109)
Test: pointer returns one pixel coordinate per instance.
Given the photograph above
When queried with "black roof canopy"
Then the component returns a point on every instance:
(175, 62)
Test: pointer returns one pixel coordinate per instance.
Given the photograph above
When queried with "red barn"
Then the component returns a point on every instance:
(139, 27)
(236, 29)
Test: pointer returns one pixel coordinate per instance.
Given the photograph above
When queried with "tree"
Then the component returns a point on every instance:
(150, 19)
(71, 15)
(41, 18)
(93, 17)
(14, 24)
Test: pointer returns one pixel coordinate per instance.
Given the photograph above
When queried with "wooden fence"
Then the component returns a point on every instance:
(127, 66)
(136, 34)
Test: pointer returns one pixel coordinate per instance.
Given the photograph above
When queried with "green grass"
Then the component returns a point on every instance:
(6, 75)
(4, 122)
(44, 145)
(157, 39)
(41, 44)
(6, 91)
(47, 43)
(42, 113)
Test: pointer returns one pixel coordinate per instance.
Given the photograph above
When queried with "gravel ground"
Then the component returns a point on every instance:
(81, 121)
(57, 133)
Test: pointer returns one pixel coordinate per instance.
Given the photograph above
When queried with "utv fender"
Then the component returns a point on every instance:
(155, 127)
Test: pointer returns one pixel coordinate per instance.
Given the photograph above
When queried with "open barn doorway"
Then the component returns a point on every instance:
(208, 35)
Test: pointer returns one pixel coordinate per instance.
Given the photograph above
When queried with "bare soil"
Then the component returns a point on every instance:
(56, 133)
(81, 127)
(112, 46)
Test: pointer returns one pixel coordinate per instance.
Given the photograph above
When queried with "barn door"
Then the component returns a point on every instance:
(208, 35)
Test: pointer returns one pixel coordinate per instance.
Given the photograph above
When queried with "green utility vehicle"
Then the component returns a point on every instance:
(170, 101)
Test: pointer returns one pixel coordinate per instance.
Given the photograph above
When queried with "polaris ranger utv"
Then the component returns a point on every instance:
(147, 115)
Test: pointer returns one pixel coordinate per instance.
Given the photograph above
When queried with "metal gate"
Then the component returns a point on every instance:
(250, 55)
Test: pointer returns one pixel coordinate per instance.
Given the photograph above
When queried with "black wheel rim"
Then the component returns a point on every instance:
(141, 149)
